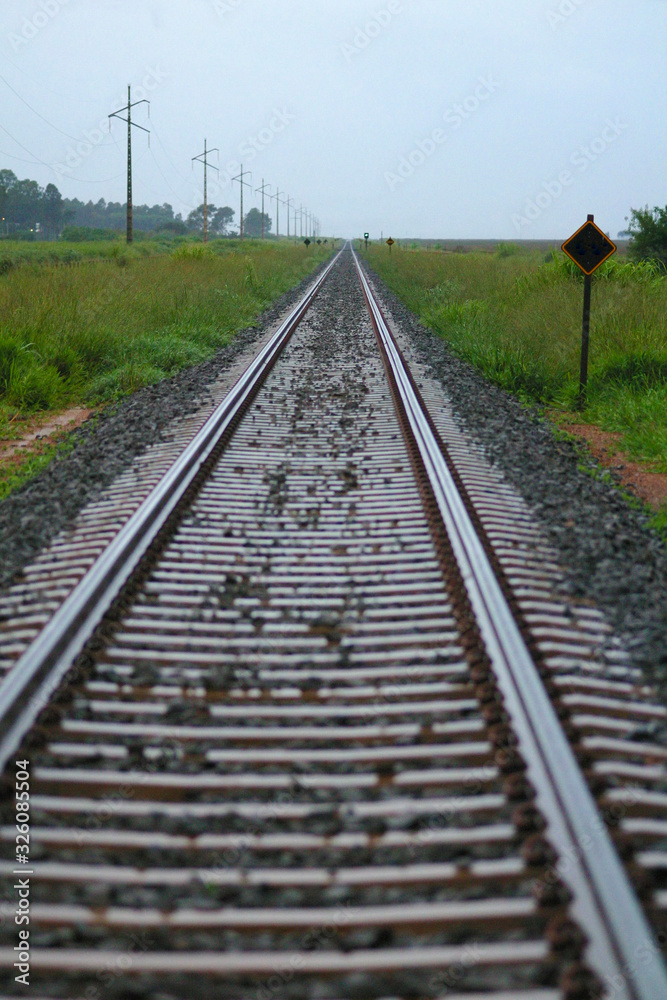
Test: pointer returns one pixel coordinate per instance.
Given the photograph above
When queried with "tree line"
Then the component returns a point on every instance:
(30, 211)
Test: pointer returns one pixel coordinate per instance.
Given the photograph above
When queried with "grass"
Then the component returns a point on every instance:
(84, 336)
(14, 254)
(21, 467)
(517, 318)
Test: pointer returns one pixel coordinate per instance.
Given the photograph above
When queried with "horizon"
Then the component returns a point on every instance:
(510, 119)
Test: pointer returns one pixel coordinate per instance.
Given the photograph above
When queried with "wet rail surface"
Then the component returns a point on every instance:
(284, 761)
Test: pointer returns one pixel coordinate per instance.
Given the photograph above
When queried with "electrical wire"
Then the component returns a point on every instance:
(20, 159)
(25, 148)
(56, 93)
(174, 168)
(35, 112)
(162, 174)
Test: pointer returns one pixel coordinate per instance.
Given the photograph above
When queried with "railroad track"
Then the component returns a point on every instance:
(315, 722)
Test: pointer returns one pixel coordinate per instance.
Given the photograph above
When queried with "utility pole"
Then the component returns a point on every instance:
(242, 183)
(130, 123)
(289, 205)
(278, 203)
(270, 196)
(301, 220)
(203, 158)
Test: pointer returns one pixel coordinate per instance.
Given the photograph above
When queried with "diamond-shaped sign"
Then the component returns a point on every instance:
(307, 241)
(589, 247)
(389, 242)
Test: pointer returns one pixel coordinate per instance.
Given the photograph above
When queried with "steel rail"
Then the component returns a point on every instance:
(26, 690)
(605, 903)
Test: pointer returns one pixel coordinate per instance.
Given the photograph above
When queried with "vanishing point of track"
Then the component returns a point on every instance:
(306, 729)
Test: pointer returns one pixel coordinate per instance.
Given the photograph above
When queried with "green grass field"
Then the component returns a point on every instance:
(517, 318)
(85, 335)
(17, 253)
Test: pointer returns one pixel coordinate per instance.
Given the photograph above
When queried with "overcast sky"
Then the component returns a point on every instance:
(427, 118)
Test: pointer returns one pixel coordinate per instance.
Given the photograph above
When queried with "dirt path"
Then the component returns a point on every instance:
(637, 477)
(37, 431)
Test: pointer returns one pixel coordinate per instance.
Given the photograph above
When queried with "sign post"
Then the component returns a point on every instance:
(390, 243)
(588, 248)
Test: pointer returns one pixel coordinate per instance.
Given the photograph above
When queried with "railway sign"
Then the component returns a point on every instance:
(307, 241)
(318, 242)
(589, 247)
(390, 243)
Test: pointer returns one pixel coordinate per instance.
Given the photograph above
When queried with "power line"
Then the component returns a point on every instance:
(35, 112)
(25, 148)
(165, 179)
(171, 162)
(64, 96)
(21, 159)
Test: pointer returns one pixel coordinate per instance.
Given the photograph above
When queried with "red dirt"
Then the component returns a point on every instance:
(637, 477)
(37, 431)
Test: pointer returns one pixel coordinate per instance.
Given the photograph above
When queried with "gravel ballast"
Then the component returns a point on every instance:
(107, 444)
(608, 551)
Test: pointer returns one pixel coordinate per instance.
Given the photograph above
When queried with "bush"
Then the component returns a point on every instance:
(86, 234)
(638, 369)
(648, 230)
(192, 251)
(507, 249)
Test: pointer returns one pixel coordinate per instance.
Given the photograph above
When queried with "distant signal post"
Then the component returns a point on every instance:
(588, 248)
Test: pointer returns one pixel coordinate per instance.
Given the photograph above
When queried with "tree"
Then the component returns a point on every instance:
(7, 181)
(648, 229)
(25, 207)
(54, 213)
(222, 220)
(252, 224)
(176, 226)
(24, 204)
(218, 219)
(112, 215)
